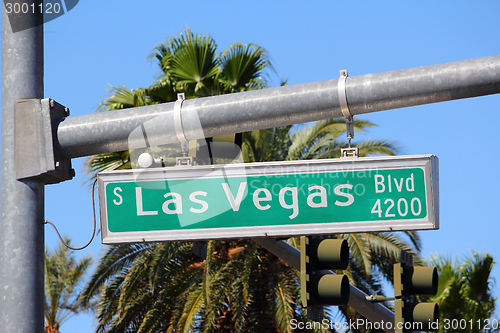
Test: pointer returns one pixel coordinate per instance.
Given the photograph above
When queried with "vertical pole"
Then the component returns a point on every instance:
(22, 202)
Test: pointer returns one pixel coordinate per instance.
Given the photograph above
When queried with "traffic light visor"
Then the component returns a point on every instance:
(425, 314)
(333, 290)
(332, 254)
(424, 280)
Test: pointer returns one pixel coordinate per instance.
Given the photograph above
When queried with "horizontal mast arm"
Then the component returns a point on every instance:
(105, 132)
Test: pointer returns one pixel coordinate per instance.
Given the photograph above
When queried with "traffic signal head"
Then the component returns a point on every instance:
(318, 286)
(412, 280)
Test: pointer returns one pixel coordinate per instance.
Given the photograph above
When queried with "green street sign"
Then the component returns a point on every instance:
(274, 199)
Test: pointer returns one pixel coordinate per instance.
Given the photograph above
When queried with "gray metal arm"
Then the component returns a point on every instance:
(211, 116)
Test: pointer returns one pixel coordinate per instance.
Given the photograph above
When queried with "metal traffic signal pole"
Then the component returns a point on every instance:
(21, 228)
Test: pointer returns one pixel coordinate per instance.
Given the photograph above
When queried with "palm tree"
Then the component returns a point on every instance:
(239, 287)
(63, 278)
(189, 64)
(165, 287)
(465, 293)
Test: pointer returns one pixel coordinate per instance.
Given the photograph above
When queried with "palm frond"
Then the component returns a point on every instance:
(192, 306)
(282, 292)
(63, 276)
(193, 64)
(106, 162)
(359, 250)
(266, 145)
(162, 91)
(121, 98)
(322, 140)
(242, 66)
(112, 263)
(465, 289)
(379, 147)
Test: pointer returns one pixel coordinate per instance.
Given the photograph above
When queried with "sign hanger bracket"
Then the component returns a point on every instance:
(349, 118)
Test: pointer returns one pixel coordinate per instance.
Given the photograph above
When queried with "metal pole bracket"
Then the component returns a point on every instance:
(179, 129)
(37, 152)
(349, 152)
(185, 161)
(344, 107)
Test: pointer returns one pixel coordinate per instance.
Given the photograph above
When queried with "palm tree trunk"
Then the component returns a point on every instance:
(54, 328)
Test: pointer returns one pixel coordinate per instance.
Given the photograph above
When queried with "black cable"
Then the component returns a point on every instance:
(95, 224)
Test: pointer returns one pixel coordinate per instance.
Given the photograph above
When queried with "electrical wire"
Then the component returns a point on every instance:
(93, 232)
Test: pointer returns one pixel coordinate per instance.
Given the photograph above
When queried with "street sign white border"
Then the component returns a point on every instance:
(428, 163)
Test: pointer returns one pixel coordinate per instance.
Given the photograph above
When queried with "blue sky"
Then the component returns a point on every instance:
(103, 43)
